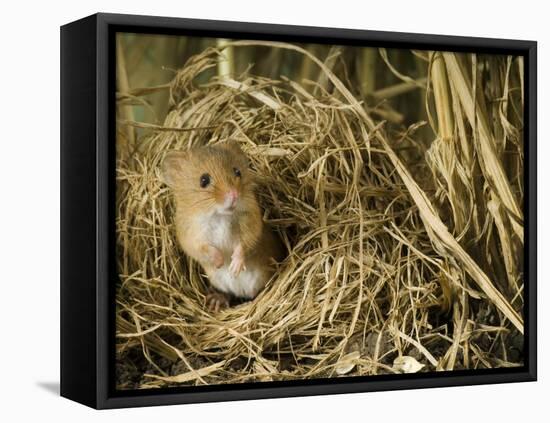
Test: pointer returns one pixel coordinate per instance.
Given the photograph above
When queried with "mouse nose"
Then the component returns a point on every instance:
(232, 196)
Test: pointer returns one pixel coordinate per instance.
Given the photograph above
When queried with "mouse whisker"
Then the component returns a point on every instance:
(202, 201)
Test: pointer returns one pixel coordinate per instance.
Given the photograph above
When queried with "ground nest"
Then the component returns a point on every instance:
(374, 269)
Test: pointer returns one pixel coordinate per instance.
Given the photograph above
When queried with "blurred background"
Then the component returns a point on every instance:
(392, 81)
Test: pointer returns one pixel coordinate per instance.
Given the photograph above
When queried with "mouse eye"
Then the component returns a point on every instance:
(237, 172)
(205, 180)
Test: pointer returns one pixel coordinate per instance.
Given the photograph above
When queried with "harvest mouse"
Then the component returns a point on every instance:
(219, 222)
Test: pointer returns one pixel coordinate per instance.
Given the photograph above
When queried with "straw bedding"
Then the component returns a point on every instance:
(376, 269)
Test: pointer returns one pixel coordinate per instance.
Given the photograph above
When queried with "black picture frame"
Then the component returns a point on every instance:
(87, 210)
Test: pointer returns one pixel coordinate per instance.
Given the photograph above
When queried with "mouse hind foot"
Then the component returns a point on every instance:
(216, 301)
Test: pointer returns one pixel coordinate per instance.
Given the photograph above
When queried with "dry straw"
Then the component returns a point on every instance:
(383, 262)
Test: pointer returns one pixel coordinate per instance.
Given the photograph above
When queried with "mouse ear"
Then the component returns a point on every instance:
(172, 167)
(234, 146)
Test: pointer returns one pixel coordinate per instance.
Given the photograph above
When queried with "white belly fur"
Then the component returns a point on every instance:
(217, 229)
(246, 285)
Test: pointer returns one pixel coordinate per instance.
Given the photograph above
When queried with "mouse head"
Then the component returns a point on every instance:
(211, 179)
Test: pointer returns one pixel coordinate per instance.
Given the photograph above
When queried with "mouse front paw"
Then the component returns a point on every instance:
(215, 256)
(237, 262)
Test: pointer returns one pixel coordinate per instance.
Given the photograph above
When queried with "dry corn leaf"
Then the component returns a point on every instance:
(347, 363)
(407, 364)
